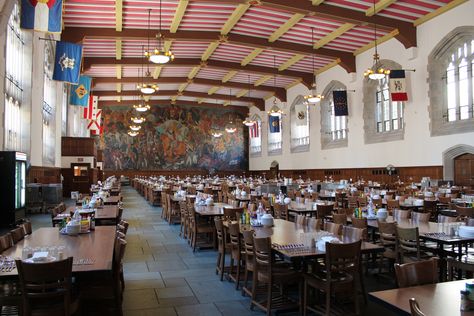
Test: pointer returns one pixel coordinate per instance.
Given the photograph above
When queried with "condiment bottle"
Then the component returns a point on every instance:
(465, 303)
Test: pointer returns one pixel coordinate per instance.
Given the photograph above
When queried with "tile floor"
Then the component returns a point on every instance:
(164, 277)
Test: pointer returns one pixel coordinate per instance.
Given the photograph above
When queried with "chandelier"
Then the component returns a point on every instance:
(377, 72)
(135, 128)
(230, 127)
(137, 119)
(249, 121)
(314, 97)
(133, 133)
(275, 110)
(146, 87)
(216, 133)
(141, 106)
(158, 55)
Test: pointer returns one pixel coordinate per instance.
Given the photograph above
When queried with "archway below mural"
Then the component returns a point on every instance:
(448, 159)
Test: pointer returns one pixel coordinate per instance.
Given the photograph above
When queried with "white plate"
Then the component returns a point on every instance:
(43, 259)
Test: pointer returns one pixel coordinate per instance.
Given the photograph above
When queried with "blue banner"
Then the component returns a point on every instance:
(274, 124)
(43, 16)
(67, 62)
(340, 103)
(79, 94)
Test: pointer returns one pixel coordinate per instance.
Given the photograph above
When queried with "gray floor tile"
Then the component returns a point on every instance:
(201, 309)
(139, 299)
(172, 292)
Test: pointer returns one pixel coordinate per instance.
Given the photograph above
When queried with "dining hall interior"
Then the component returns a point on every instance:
(223, 157)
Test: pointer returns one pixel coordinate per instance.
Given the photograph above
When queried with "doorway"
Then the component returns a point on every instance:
(274, 170)
(464, 170)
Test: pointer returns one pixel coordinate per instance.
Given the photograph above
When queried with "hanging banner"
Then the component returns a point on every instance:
(398, 89)
(254, 132)
(340, 103)
(274, 124)
(79, 94)
(91, 108)
(67, 62)
(42, 15)
(95, 125)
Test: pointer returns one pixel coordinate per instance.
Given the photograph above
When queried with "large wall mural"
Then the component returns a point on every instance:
(174, 137)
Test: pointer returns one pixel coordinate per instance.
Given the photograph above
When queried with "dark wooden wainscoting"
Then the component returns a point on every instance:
(379, 174)
(464, 170)
(180, 173)
(44, 175)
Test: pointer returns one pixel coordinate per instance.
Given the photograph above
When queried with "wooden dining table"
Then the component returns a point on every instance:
(285, 234)
(306, 208)
(96, 246)
(217, 209)
(104, 215)
(441, 299)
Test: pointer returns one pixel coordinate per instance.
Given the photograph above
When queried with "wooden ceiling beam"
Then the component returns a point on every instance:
(307, 77)
(178, 15)
(327, 67)
(316, 2)
(333, 35)
(381, 40)
(118, 15)
(118, 49)
(213, 90)
(248, 59)
(234, 18)
(260, 103)
(285, 27)
(157, 72)
(210, 50)
(72, 34)
(262, 80)
(407, 35)
(241, 109)
(379, 6)
(118, 71)
(438, 11)
(231, 74)
(290, 62)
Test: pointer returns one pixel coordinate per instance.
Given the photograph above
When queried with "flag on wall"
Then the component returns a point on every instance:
(79, 94)
(67, 62)
(254, 133)
(398, 89)
(42, 15)
(340, 102)
(95, 125)
(300, 111)
(91, 108)
(274, 124)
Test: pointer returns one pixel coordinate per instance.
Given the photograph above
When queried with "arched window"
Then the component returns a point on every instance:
(383, 118)
(333, 128)
(15, 78)
(274, 135)
(49, 105)
(255, 136)
(451, 81)
(299, 122)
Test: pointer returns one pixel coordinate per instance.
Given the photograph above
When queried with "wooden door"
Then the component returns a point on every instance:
(464, 170)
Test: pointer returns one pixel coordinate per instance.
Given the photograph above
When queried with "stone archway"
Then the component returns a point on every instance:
(448, 159)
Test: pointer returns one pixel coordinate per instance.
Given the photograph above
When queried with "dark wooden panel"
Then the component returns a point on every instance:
(43, 175)
(180, 173)
(78, 146)
(464, 170)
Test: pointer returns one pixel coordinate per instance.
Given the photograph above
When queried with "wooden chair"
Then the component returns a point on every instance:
(313, 223)
(183, 229)
(335, 229)
(273, 275)
(341, 202)
(249, 260)
(417, 273)
(324, 210)
(362, 224)
(401, 214)
(415, 308)
(164, 205)
(464, 212)
(104, 289)
(352, 202)
(27, 228)
(231, 213)
(281, 211)
(431, 207)
(458, 270)
(388, 232)
(391, 205)
(17, 234)
(339, 219)
(47, 288)
(173, 211)
(420, 217)
(352, 233)
(377, 202)
(125, 225)
(446, 219)
(10, 295)
(6, 241)
(300, 220)
(342, 264)
(362, 201)
(408, 244)
(200, 229)
(222, 247)
(236, 255)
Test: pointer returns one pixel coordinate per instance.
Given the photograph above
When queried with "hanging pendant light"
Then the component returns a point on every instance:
(135, 128)
(274, 110)
(249, 121)
(133, 133)
(158, 55)
(145, 87)
(216, 133)
(137, 119)
(314, 97)
(141, 106)
(230, 127)
(377, 72)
